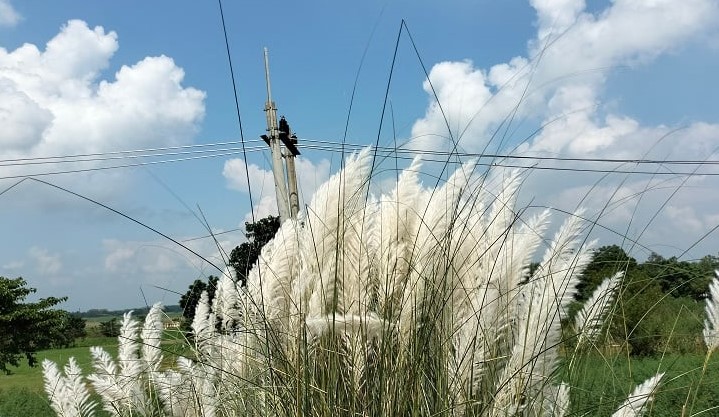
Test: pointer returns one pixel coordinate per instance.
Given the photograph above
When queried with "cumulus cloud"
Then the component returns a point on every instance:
(54, 101)
(566, 65)
(8, 15)
(161, 268)
(310, 175)
(45, 262)
(559, 85)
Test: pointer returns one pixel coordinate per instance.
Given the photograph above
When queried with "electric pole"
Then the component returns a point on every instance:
(287, 198)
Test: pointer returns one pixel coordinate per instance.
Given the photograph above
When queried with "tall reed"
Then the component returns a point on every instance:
(416, 302)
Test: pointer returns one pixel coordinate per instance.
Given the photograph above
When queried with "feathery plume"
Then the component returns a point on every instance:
(635, 405)
(711, 324)
(542, 302)
(590, 318)
(69, 396)
(151, 338)
(203, 324)
(128, 350)
(421, 293)
(106, 382)
(225, 305)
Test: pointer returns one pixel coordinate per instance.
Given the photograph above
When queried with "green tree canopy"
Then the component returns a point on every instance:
(25, 327)
(607, 261)
(189, 300)
(244, 256)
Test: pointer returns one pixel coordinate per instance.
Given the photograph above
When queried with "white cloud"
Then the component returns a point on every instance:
(8, 15)
(54, 102)
(45, 262)
(13, 265)
(559, 84)
(566, 67)
(310, 175)
(260, 179)
(685, 217)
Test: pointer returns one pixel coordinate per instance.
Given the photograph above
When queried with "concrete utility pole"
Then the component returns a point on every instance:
(287, 198)
(292, 181)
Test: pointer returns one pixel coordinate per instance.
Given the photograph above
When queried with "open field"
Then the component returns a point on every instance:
(601, 381)
(22, 393)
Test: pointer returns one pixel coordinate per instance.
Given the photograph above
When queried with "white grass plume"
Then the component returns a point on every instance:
(107, 382)
(432, 252)
(416, 302)
(635, 405)
(270, 281)
(151, 338)
(203, 324)
(338, 199)
(69, 396)
(123, 385)
(188, 391)
(225, 305)
(542, 304)
(128, 350)
(711, 324)
(395, 234)
(590, 319)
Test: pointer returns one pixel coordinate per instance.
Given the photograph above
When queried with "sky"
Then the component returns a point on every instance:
(145, 88)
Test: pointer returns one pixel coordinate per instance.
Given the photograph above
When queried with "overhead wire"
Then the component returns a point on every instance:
(399, 157)
(158, 156)
(314, 144)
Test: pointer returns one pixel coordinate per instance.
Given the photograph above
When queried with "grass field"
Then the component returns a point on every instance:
(22, 393)
(601, 382)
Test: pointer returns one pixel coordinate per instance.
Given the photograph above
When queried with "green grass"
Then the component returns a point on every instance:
(31, 378)
(600, 382)
(22, 393)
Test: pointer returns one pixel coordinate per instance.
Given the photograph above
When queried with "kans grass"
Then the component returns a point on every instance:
(419, 302)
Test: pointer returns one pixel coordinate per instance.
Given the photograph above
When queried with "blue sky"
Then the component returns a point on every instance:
(623, 79)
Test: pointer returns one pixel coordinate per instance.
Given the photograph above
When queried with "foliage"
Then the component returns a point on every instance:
(244, 256)
(189, 300)
(25, 327)
(606, 261)
(70, 329)
(681, 278)
(658, 309)
(110, 328)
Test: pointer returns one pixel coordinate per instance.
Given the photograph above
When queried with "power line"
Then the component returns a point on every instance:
(206, 151)
(321, 145)
(400, 157)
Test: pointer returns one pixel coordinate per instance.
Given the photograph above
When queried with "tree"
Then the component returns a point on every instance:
(607, 261)
(110, 328)
(71, 328)
(681, 278)
(189, 300)
(244, 256)
(25, 327)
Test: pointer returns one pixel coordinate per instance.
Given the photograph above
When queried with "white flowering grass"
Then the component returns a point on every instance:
(414, 302)
(711, 325)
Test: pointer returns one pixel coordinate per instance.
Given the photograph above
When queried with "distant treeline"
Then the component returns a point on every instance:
(139, 311)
